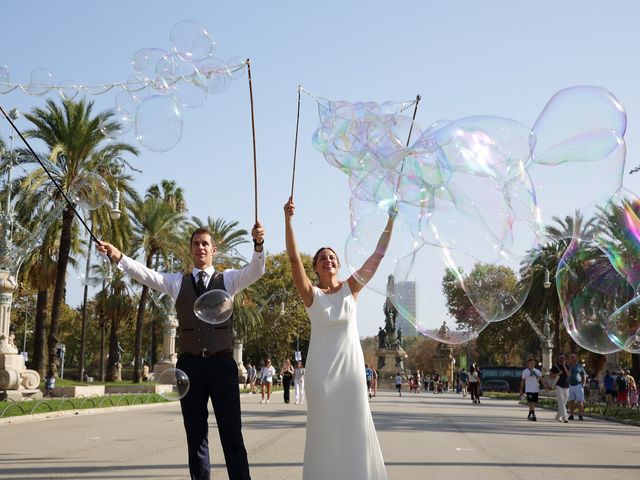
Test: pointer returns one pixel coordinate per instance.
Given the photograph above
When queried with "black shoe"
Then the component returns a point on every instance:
(580, 418)
(570, 417)
(529, 416)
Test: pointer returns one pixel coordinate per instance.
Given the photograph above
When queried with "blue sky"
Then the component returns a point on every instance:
(465, 58)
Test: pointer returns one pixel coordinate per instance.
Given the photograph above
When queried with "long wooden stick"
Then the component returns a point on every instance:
(413, 119)
(253, 132)
(295, 145)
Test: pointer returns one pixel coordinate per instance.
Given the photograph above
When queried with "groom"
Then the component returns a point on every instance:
(206, 350)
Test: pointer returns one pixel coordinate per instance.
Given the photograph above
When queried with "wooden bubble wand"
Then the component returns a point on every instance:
(295, 144)
(253, 132)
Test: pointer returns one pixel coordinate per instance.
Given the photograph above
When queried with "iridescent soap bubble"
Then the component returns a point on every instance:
(216, 75)
(237, 67)
(68, 89)
(40, 81)
(191, 41)
(173, 384)
(419, 289)
(182, 80)
(145, 60)
(138, 86)
(573, 126)
(5, 77)
(368, 221)
(214, 307)
(589, 291)
(158, 123)
(89, 191)
(623, 326)
(617, 232)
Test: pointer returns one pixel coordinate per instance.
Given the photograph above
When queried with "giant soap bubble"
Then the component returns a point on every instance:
(159, 123)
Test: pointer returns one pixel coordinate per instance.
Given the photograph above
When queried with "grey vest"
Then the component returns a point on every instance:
(196, 335)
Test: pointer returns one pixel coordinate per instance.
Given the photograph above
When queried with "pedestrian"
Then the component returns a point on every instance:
(559, 376)
(464, 380)
(474, 381)
(418, 382)
(399, 383)
(298, 383)
(609, 388)
(206, 350)
(341, 440)
(577, 377)
(251, 377)
(368, 375)
(287, 379)
(266, 379)
(530, 385)
(623, 389)
(374, 380)
(633, 395)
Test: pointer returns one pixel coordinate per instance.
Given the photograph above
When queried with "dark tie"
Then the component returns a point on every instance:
(200, 286)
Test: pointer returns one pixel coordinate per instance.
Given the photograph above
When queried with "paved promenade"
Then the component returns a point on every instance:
(422, 436)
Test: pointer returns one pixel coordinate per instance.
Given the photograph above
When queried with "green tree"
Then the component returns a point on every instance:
(74, 136)
(157, 227)
(285, 324)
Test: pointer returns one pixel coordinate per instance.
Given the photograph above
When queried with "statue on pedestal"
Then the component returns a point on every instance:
(400, 338)
(382, 338)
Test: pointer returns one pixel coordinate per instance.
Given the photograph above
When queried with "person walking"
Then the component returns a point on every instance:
(474, 381)
(577, 378)
(206, 350)
(559, 375)
(298, 383)
(399, 383)
(374, 381)
(287, 379)
(266, 379)
(341, 441)
(530, 385)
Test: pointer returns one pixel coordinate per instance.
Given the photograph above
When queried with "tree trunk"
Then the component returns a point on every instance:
(113, 348)
(39, 359)
(137, 360)
(59, 291)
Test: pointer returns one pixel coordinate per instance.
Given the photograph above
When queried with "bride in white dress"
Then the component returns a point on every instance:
(341, 441)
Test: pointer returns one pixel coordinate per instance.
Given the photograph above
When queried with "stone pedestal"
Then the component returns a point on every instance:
(237, 356)
(169, 356)
(444, 362)
(390, 362)
(16, 381)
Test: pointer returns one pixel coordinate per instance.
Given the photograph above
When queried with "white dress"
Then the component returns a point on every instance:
(341, 441)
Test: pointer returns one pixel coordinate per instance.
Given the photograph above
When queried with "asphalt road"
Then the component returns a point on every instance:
(422, 436)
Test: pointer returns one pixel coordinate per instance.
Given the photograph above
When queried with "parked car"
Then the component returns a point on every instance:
(495, 386)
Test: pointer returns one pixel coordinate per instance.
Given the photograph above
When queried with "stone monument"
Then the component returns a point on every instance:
(169, 356)
(391, 355)
(16, 381)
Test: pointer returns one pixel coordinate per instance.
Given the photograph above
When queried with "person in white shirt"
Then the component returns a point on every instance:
(266, 377)
(298, 383)
(206, 350)
(399, 384)
(530, 385)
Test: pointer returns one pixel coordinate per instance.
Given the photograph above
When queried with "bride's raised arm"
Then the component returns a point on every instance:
(370, 266)
(300, 279)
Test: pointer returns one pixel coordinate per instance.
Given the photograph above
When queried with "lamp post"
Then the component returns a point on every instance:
(545, 335)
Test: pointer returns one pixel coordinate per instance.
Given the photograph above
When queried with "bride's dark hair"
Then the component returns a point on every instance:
(315, 257)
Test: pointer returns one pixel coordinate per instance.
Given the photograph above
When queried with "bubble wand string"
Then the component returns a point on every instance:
(69, 202)
(295, 145)
(413, 119)
(253, 132)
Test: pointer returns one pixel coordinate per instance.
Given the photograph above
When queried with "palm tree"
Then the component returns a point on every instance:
(74, 136)
(157, 227)
(226, 237)
(170, 193)
(543, 300)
